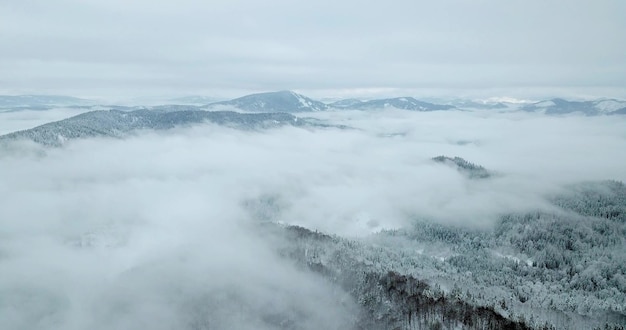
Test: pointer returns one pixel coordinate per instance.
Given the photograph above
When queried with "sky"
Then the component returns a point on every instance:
(326, 48)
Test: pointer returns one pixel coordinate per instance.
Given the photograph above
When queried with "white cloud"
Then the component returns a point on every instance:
(12, 121)
(109, 48)
(158, 230)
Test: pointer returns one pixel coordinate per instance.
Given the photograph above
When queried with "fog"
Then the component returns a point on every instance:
(11, 121)
(161, 230)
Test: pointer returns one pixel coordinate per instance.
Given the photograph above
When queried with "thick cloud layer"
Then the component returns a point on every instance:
(159, 230)
(227, 48)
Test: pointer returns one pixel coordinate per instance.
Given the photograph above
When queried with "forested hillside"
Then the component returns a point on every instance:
(564, 269)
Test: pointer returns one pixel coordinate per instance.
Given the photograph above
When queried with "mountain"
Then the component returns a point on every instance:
(563, 268)
(610, 106)
(621, 111)
(346, 104)
(27, 101)
(468, 104)
(282, 101)
(559, 106)
(388, 282)
(404, 103)
(115, 123)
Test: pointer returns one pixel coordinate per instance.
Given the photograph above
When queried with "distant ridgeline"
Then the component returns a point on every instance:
(291, 102)
(537, 270)
(115, 123)
(403, 103)
(560, 106)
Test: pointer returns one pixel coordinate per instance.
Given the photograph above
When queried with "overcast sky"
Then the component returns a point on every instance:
(121, 48)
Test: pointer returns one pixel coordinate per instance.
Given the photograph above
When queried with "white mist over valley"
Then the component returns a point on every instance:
(191, 225)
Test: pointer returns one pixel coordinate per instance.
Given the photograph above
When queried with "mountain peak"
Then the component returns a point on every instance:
(279, 101)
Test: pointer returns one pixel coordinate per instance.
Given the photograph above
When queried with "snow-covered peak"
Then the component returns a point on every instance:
(281, 101)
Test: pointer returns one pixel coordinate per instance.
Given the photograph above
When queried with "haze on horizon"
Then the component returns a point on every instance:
(120, 49)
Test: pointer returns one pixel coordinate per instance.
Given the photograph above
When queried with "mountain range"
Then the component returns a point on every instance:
(403, 103)
(117, 124)
(291, 102)
(559, 106)
(560, 267)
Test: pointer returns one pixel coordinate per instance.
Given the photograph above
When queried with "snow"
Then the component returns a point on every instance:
(302, 100)
(515, 259)
(62, 139)
(503, 99)
(606, 106)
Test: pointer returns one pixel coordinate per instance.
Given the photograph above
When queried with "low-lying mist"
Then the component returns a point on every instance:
(160, 230)
(11, 121)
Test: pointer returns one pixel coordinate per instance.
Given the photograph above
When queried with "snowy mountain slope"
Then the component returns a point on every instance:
(115, 123)
(609, 105)
(559, 106)
(282, 101)
(378, 278)
(621, 111)
(564, 269)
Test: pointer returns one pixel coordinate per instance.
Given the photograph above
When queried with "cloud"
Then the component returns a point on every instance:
(160, 230)
(24, 119)
(112, 48)
(96, 241)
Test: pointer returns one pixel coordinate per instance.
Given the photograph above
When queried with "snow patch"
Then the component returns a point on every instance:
(302, 101)
(503, 99)
(515, 259)
(607, 106)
